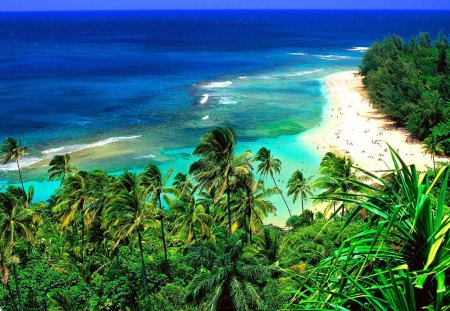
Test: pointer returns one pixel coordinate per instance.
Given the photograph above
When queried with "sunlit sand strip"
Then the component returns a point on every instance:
(354, 128)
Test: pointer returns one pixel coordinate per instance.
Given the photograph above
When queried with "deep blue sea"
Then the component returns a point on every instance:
(121, 89)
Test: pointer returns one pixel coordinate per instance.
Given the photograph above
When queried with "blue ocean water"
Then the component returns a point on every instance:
(144, 86)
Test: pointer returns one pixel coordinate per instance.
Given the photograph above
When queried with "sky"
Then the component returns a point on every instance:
(53, 5)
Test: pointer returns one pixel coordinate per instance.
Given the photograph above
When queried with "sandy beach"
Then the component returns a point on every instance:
(352, 127)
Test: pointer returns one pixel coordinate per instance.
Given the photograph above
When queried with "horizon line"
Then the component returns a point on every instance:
(228, 9)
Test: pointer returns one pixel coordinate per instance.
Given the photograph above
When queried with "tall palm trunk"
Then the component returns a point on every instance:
(20, 174)
(434, 163)
(228, 204)
(82, 239)
(18, 292)
(163, 236)
(143, 271)
(281, 193)
(301, 198)
(82, 229)
(250, 222)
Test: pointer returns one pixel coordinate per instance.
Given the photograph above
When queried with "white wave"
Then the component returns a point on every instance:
(227, 101)
(149, 156)
(24, 162)
(332, 57)
(213, 85)
(75, 148)
(205, 118)
(297, 54)
(243, 77)
(53, 150)
(359, 48)
(204, 99)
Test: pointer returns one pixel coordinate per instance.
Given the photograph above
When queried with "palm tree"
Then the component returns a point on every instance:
(15, 224)
(191, 219)
(337, 176)
(299, 185)
(250, 204)
(219, 164)
(152, 179)
(60, 166)
(13, 149)
(270, 166)
(228, 283)
(76, 203)
(433, 146)
(182, 183)
(130, 213)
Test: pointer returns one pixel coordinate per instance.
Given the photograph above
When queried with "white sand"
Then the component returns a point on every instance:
(352, 127)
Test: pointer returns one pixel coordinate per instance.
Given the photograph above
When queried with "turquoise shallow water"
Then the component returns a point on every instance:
(292, 150)
(119, 90)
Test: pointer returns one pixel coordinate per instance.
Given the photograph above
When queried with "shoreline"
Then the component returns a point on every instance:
(352, 127)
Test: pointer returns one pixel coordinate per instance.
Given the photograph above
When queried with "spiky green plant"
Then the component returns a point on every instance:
(400, 261)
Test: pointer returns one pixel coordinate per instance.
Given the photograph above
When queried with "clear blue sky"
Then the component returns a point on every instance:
(39, 5)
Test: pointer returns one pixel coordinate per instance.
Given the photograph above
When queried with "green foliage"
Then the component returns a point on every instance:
(410, 83)
(108, 243)
(400, 260)
(310, 244)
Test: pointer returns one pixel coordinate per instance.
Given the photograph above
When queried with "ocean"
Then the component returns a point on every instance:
(120, 90)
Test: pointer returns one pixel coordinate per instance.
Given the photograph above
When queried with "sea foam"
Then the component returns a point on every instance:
(149, 156)
(24, 162)
(297, 54)
(74, 148)
(213, 85)
(332, 57)
(204, 99)
(359, 48)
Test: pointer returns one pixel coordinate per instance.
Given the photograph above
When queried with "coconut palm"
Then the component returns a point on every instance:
(250, 204)
(218, 164)
(269, 166)
(13, 149)
(337, 176)
(60, 166)
(182, 183)
(191, 220)
(229, 282)
(153, 179)
(15, 224)
(433, 146)
(76, 203)
(129, 213)
(298, 185)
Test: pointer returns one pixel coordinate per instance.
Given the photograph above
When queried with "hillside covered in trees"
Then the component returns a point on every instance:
(196, 240)
(410, 82)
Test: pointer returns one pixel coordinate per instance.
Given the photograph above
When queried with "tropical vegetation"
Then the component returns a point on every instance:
(198, 241)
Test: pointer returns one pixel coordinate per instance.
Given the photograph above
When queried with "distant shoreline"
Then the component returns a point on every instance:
(352, 127)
